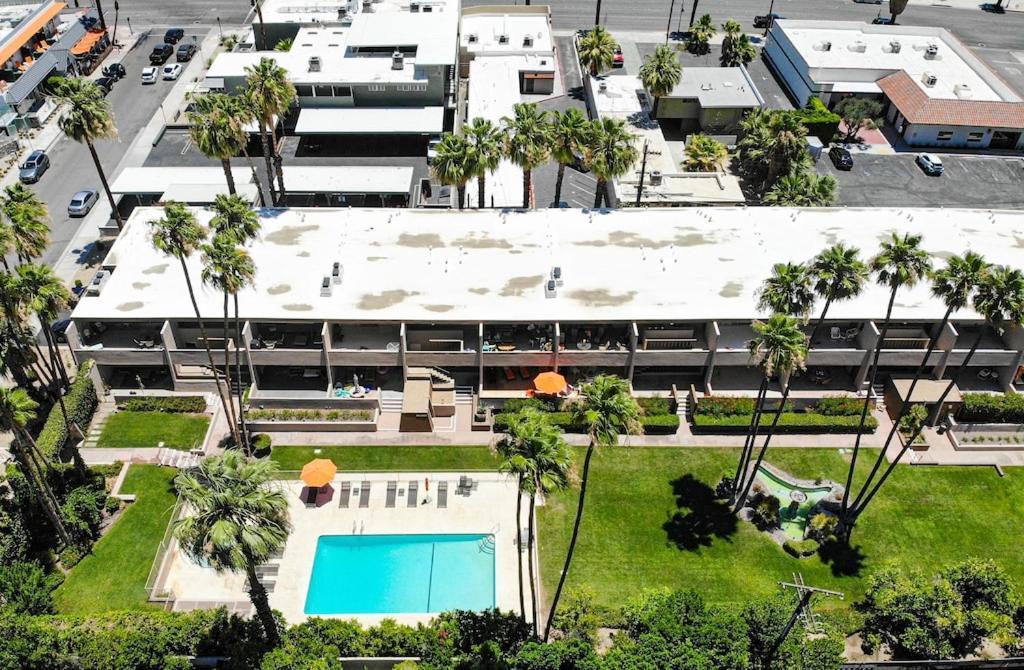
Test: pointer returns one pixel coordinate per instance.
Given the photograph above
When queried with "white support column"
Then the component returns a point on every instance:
(401, 351)
(247, 341)
(944, 345)
(711, 333)
(325, 336)
(480, 356)
(634, 338)
(868, 340)
(556, 345)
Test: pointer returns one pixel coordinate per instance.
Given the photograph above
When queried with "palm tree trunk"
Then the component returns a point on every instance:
(43, 363)
(278, 170)
(529, 558)
(255, 177)
(226, 164)
(55, 358)
(526, 189)
(558, 184)
(480, 188)
(599, 193)
(227, 372)
(820, 322)
(519, 546)
(265, 143)
(572, 540)
(764, 448)
(238, 385)
(206, 344)
(748, 443)
(258, 596)
(867, 403)
(40, 486)
(460, 190)
(106, 186)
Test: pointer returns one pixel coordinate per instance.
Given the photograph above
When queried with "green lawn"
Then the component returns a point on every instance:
(131, 430)
(632, 539)
(114, 575)
(389, 458)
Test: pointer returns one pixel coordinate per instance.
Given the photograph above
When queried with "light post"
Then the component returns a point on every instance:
(128, 20)
(769, 22)
(219, 29)
(668, 26)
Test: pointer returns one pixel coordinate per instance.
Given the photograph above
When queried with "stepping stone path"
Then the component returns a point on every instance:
(99, 420)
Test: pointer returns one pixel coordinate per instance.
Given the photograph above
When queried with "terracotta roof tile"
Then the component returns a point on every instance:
(917, 107)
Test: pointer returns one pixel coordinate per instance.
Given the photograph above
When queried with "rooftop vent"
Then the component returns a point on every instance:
(602, 87)
(502, 39)
(858, 47)
(895, 47)
(556, 275)
(342, 12)
(397, 60)
(325, 288)
(314, 63)
(367, 5)
(549, 289)
(337, 272)
(472, 38)
(929, 79)
(963, 91)
(414, 7)
(97, 283)
(655, 178)
(823, 46)
(932, 52)
(527, 40)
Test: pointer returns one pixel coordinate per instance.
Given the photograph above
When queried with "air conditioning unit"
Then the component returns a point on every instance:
(472, 38)
(397, 60)
(367, 5)
(502, 39)
(602, 87)
(825, 46)
(895, 46)
(549, 289)
(655, 178)
(858, 47)
(314, 63)
(337, 272)
(414, 7)
(962, 91)
(556, 275)
(929, 79)
(931, 52)
(325, 288)
(528, 40)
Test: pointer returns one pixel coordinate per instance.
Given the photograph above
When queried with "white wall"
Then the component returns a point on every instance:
(789, 65)
(921, 135)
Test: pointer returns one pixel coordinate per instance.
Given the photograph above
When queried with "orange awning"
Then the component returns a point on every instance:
(318, 472)
(26, 30)
(87, 42)
(550, 383)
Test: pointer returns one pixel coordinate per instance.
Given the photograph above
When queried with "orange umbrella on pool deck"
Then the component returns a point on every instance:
(319, 472)
(550, 383)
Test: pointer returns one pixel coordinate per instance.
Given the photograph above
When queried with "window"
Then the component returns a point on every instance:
(343, 91)
(376, 87)
(324, 90)
(303, 91)
(975, 136)
(944, 135)
(412, 87)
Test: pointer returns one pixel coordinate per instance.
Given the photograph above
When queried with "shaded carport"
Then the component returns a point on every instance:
(368, 131)
(347, 186)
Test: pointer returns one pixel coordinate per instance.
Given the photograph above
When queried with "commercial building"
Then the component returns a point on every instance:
(936, 92)
(710, 99)
(486, 299)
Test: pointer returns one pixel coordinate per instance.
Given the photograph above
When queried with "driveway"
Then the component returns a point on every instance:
(896, 181)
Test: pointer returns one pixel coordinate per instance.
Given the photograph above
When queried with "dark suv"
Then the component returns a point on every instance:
(173, 35)
(185, 52)
(160, 54)
(841, 158)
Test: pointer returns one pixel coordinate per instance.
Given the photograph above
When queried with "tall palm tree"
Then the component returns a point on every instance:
(612, 153)
(704, 154)
(802, 189)
(270, 94)
(238, 108)
(8, 242)
(779, 347)
(570, 134)
(660, 73)
(28, 223)
(527, 143)
(900, 262)
(486, 142)
(17, 410)
(701, 34)
(597, 50)
(953, 285)
(607, 408)
(46, 296)
(179, 235)
(88, 118)
(999, 297)
(24, 350)
(839, 275)
(237, 519)
(216, 132)
(790, 290)
(454, 164)
(736, 47)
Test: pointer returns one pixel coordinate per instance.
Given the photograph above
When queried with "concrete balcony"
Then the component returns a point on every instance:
(544, 359)
(310, 357)
(441, 358)
(364, 358)
(680, 358)
(598, 358)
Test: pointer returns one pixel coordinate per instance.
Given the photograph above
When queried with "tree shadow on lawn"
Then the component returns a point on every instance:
(701, 516)
(844, 560)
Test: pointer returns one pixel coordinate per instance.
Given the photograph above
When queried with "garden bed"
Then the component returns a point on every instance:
(732, 415)
(312, 420)
(658, 416)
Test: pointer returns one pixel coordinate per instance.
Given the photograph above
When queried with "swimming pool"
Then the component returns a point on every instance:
(391, 574)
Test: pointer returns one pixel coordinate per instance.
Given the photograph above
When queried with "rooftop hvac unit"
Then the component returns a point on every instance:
(895, 46)
(528, 40)
(325, 288)
(337, 272)
(502, 39)
(929, 79)
(655, 178)
(472, 39)
(859, 47)
(931, 52)
(556, 275)
(549, 289)
(397, 60)
(962, 91)
(414, 7)
(367, 5)
(825, 46)
(314, 63)
(602, 87)
(346, 21)
(342, 12)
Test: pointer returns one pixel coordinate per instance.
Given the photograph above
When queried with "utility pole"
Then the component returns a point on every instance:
(693, 12)
(803, 608)
(263, 30)
(597, 14)
(117, 9)
(769, 22)
(668, 26)
(643, 169)
(99, 10)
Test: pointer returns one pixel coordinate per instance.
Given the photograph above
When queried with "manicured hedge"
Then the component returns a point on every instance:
(988, 408)
(818, 120)
(789, 422)
(838, 405)
(801, 548)
(190, 404)
(309, 415)
(81, 404)
(655, 406)
(662, 424)
(724, 405)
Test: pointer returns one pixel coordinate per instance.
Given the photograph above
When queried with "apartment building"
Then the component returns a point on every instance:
(661, 297)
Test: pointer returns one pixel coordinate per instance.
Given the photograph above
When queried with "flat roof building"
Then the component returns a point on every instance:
(710, 99)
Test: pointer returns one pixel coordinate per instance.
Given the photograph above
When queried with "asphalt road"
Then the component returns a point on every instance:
(71, 166)
(142, 14)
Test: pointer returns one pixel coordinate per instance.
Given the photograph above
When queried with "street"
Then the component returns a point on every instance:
(143, 14)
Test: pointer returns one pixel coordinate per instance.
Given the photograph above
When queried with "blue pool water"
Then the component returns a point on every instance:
(381, 574)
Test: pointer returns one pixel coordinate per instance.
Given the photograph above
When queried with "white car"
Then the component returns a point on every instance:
(931, 164)
(172, 72)
(149, 75)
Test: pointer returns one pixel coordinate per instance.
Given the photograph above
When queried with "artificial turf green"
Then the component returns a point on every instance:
(134, 430)
(371, 458)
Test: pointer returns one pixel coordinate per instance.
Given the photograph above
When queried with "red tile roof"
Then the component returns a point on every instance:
(917, 107)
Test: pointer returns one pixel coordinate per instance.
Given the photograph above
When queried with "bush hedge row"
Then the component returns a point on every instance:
(310, 415)
(658, 424)
(189, 404)
(988, 408)
(818, 120)
(801, 548)
(789, 422)
(719, 406)
(80, 401)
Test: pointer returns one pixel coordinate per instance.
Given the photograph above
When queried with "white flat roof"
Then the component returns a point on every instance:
(198, 194)
(361, 120)
(306, 12)
(489, 265)
(160, 180)
(347, 179)
(717, 87)
(867, 48)
(488, 28)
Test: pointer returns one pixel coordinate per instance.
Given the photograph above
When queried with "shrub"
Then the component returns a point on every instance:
(571, 654)
(837, 405)
(261, 442)
(989, 408)
(14, 537)
(513, 405)
(80, 401)
(309, 415)
(801, 548)
(25, 589)
(652, 425)
(576, 618)
(81, 513)
(112, 505)
(655, 406)
(913, 419)
(789, 422)
(660, 424)
(822, 527)
(72, 554)
(764, 511)
(818, 120)
(724, 405)
(188, 404)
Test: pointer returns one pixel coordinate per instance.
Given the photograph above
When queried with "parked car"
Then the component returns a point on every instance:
(841, 158)
(160, 54)
(115, 71)
(766, 20)
(618, 60)
(993, 7)
(174, 35)
(172, 72)
(868, 2)
(883, 21)
(82, 202)
(106, 84)
(59, 330)
(931, 164)
(150, 75)
(34, 166)
(185, 52)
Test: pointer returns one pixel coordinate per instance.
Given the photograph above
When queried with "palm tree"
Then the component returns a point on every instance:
(237, 519)
(179, 235)
(284, 44)
(486, 142)
(270, 94)
(701, 34)
(953, 285)
(597, 50)
(773, 146)
(788, 291)
(896, 8)
(607, 408)
(527, 143)
(999, 297)
(900, 262)
(453, 164)
(570, 132)
(802, 189)
(45, 296)
(16, 345)
(17, 410)
(839, 275)
(704, 154)
(29, 223)
(216, 132)
(779, 347)
(736, 47)
(612, 153)
(88, 118)
(8, 242)
(660, 73)
(238, 109)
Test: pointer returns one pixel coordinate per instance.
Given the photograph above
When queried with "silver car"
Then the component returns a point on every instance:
(33, 167)
(82, 202)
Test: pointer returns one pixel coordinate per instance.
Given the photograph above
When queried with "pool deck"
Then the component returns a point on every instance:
(488, 509)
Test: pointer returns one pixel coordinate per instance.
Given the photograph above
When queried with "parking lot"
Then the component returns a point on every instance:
(897, 181)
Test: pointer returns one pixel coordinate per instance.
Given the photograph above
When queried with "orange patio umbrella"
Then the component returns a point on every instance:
(550, 383)
(318, 472)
